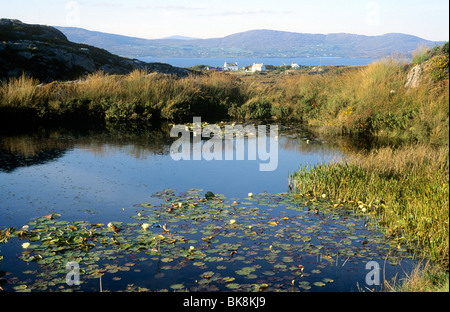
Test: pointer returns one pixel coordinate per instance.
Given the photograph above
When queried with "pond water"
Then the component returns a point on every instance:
(131, 218)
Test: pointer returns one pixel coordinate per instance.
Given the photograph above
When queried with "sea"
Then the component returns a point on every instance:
(276, 61)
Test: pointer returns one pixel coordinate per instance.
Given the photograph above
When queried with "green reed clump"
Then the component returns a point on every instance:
(406, 188)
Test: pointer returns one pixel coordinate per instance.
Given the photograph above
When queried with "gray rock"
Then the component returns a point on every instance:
(413, 77)
(44, 53)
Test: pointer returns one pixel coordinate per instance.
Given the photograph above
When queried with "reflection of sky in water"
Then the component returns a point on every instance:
(107, 178)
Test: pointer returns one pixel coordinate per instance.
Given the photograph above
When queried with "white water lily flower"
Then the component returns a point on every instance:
(25, 245)
(145, 226)
(364, 210)
(191, 248)
(324, 195)
(232, 221)
(250, 194)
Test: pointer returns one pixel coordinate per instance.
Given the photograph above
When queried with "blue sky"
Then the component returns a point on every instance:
(210, 18)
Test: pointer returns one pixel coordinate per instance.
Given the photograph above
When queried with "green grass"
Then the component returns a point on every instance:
(424, 278)
(406, 189)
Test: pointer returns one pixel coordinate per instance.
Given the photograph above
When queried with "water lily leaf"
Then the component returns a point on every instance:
(251, 276)
(268, 273)
(233, 286)
(319, 284)
(34, 238)
(177, 286)
(207, 274)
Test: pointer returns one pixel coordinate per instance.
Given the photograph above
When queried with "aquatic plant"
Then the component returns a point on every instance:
(204, 244)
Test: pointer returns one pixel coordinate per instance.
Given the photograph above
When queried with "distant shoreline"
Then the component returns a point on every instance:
(244, 61)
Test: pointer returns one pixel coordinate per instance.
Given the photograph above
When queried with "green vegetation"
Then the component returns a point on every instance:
(405, 187)
(424, 278)
(369, 100)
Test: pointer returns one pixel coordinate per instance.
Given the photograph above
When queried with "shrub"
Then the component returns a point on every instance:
(257, 109)
(439, 69)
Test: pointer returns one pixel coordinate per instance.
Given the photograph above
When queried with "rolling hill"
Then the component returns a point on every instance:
(254, 43)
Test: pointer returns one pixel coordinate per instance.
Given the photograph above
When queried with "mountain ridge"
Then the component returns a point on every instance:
(255, 43)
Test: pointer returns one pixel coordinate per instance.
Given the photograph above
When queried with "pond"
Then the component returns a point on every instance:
(107, 210)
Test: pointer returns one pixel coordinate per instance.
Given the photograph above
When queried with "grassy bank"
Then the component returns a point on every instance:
(369, 100)
(406, 189)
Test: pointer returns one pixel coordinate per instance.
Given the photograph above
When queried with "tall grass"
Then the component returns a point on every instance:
(424, 278)
(406, 188)
(370, 100)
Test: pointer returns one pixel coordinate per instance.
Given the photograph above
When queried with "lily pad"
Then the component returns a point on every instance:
(233, 286)
(177, 286)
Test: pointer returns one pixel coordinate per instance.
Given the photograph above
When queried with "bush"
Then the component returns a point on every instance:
(439, 69)
(257, 109)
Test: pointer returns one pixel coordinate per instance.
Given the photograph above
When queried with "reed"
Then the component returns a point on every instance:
(407, 190)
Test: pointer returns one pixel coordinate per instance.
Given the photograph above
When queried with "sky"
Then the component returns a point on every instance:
(152, 19)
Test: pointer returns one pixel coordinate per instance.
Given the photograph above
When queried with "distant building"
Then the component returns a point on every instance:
(258, 67)
(295, 66)
(230, 67)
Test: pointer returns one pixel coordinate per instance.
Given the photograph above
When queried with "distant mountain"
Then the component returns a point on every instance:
(254, 43)
(180, 38)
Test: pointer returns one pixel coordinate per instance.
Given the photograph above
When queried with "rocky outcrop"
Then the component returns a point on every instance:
(413, 77)
(44, 53)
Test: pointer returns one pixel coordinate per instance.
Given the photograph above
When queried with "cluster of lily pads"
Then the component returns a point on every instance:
(197, 242)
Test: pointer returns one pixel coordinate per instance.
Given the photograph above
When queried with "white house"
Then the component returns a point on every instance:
(258, 67)
(295, 66)
(230, 66)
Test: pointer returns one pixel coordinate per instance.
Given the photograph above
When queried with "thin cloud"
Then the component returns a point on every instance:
(243, 12)
(169, 8)
(178, 8)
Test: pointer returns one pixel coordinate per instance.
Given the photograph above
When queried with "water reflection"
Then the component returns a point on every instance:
(44, 146)
(97, 173)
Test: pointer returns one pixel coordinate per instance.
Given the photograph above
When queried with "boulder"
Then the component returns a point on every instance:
(413, 77)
